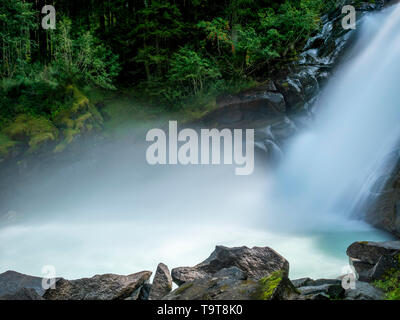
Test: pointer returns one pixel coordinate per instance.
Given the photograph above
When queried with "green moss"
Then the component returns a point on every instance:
(390, 284)
(82, 116)
(183, 287)
(6, 145)
(33, 131)
(267, 286)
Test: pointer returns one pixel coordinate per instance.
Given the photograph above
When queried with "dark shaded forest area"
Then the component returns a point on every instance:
(167, 53)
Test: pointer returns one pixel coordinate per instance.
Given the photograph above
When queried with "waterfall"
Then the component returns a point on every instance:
(328, 170)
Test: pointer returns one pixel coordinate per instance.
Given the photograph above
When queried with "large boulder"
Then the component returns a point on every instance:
(238, 273)
(253, 107)
(276, 286)
(256, 263)
(370, 252)
(331, 291)
(22, 294)
(162, 283)
(320, 289)
(99, 287)
(385, 265)
(372, 260)
(12, 282)
(364, 291)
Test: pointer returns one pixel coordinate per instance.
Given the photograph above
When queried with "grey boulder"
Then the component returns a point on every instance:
(162, 283)
(22, 294)
(364, 291)
(372, 260)
(99, 287)
(255, 263)
(12, 282)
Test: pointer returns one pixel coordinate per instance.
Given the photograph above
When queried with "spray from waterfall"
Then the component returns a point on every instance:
(328, 171)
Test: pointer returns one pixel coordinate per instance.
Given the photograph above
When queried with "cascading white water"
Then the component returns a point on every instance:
(357, 124)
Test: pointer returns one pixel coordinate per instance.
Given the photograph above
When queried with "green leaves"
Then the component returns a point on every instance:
(83, 58)
(169, 49)
(192, 70)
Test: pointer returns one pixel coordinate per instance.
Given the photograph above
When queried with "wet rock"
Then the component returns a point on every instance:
(301, 282)
(162, 283)
(144, 292)
(307, 282)
(232, 273)
(320, 289)
(371, 260)
(256, 263)
(362, 268)
(22, 294)
(275, 286)
(262, 104)
(292, 90)
(12, 282)
(364, 291)
(99, 287)
(333, 291)
(318, 296)
(384, 212)
(283, 130)
(384, 265)
(370, 252)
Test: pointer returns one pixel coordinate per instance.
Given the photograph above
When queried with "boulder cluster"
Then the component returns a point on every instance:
(238, 273)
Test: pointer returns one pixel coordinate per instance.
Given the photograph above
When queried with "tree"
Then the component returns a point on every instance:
(83, 58)
(16, 22)
(190, 69)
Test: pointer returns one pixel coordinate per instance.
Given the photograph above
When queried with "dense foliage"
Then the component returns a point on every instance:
(167, 49)
(170, 53)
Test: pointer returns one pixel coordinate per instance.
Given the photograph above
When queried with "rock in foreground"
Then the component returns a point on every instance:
(99, 287)
(237, 273)
(255, 263)
(12, 282)
(273, 287)
(162, 283)
(371, 260)
(22, 294)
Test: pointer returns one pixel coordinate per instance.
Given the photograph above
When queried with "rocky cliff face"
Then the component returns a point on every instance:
(385, 210)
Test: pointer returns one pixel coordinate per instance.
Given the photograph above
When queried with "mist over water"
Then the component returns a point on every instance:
(110, 212)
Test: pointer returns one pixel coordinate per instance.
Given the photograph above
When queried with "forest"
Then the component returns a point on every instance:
(173, 54)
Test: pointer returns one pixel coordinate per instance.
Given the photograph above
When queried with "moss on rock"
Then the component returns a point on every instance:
(81, 117)
(6, 145)
(390, 284)
(268, 285)
(35, 132)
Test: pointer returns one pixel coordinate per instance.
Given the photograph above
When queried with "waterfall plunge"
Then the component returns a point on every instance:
(328, 170)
